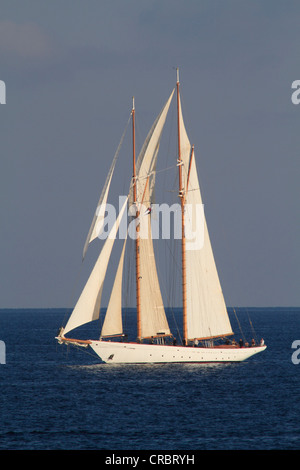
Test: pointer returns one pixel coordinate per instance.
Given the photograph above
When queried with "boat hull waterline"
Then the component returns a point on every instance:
(139, 353)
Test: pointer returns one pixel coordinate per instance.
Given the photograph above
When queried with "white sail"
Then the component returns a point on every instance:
(146, 162)
(88, 306)
(206, 310)
(113, 324)
(98, 219)
(153, 317)
(99, 215)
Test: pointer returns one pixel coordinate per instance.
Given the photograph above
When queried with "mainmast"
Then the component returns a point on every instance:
(137, 240)
(182, 202)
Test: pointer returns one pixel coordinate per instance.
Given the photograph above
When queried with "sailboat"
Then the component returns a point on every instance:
(206, 328)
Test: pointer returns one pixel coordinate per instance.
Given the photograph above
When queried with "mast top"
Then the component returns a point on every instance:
(133, 103)
(177, 72)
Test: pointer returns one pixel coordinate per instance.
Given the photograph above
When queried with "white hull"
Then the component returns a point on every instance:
(135, 353)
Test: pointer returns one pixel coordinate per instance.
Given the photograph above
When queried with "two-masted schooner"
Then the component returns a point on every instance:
(205, 318)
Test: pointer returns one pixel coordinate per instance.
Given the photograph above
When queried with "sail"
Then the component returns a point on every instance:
(153, 317)
(206, 310)
(146, 162)
(112, 324)
(152, 312)
(98, 219)
(88, 306)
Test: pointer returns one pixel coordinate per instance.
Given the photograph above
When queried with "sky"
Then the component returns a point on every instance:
(71, 68)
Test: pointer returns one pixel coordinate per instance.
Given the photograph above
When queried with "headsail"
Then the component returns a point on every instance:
(113, 324)
(206, 310)
(88, 306)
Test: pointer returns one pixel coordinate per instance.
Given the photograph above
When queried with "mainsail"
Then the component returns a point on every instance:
(207, 316)
(88, 306)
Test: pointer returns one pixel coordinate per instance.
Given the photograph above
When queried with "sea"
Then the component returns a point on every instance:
(55, 397)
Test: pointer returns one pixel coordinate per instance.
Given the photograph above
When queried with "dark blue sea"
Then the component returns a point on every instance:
(56, 398)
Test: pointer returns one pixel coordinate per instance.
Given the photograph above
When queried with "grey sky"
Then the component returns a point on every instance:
(71, 68)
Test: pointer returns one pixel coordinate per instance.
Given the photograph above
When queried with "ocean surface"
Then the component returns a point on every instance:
(53, 397)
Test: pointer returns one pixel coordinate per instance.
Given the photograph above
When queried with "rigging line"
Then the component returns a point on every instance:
(84, 350)
(239, 324)
(166, 169)
(168, 299)
(72, 296)
(122, 138)
(173, 250)
(251, 325)
(153, 172)
(129, 281)
(165, 287)
(107, 182)
(115, 158)
(170, 141)
(190, 190)
(138, 134)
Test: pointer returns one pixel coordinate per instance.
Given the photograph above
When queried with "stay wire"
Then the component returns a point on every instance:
(241, 331)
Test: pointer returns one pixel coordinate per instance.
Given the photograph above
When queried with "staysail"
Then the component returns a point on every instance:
(207, 315)
(88, 306)
(153, 317)
(113, 324)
